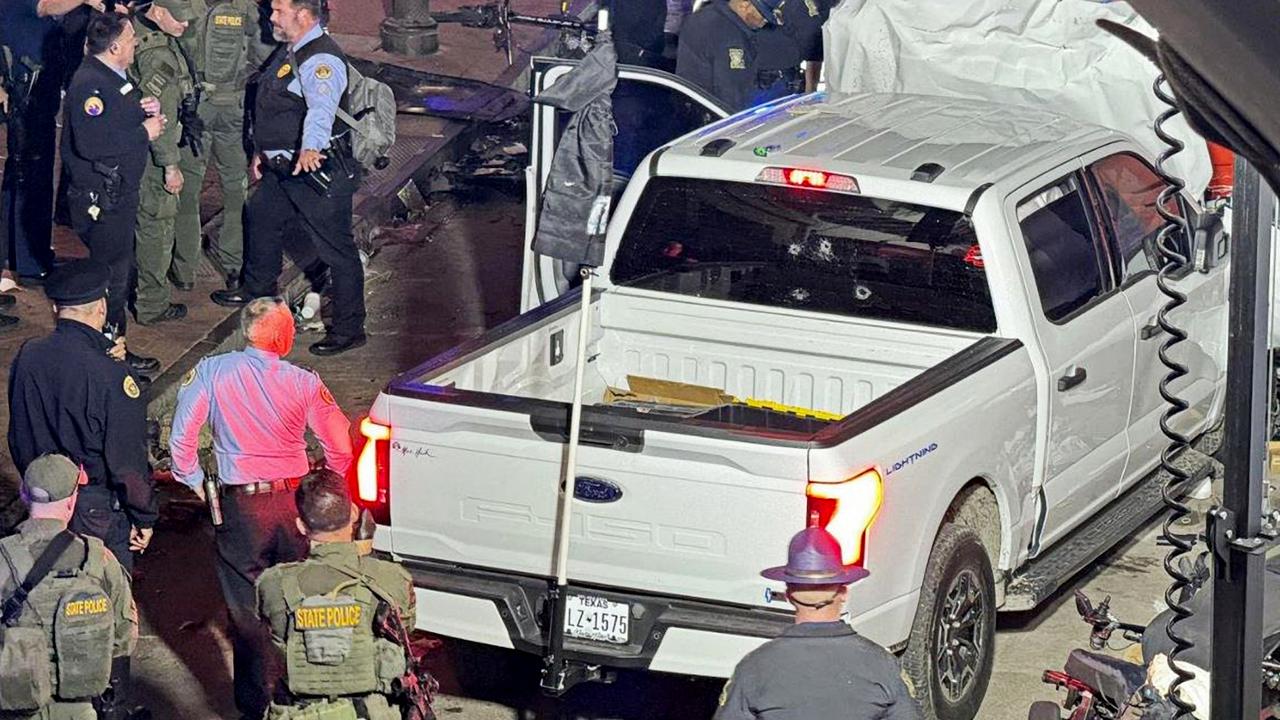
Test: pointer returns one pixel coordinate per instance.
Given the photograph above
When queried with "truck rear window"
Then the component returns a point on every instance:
(807, 250)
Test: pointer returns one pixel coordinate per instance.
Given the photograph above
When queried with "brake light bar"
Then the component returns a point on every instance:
(847, 509)
(373, 469)
(803, 178)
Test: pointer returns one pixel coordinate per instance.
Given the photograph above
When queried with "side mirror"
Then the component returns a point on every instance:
(1209, 242)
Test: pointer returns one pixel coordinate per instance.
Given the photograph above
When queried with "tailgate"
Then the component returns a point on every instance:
(687, 514)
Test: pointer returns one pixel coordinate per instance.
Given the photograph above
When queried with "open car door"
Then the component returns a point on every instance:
(650, 108)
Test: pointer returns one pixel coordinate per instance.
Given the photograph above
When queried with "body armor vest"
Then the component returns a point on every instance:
(279, 113)
(62, 645)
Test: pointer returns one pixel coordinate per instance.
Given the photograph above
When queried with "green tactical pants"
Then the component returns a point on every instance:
(157, 210)
(223, 142)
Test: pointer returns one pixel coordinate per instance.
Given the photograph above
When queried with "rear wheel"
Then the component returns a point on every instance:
(951, 649)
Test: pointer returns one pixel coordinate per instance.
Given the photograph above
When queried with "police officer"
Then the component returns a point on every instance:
(819, 667)
(308, 178)
(66, 599)
(109, 124)
(260, 407)
(780, 49)
(160, 70)
(321, 613)
(69, 394)
(225, 45)
(717, 48)
(35, 59)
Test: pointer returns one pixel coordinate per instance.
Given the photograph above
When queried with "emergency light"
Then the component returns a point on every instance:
(846, 510)
(816, 179)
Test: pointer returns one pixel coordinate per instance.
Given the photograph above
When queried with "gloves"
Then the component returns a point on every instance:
(192, 125)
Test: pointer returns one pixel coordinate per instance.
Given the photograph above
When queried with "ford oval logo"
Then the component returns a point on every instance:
(595, 490)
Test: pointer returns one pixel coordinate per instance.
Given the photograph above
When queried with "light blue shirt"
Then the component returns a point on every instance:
(259, 407)
(320, 81)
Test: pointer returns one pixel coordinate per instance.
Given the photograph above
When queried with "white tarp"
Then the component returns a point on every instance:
(1044, 53)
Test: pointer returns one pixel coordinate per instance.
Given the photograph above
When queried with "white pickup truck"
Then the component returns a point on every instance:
(959, 297)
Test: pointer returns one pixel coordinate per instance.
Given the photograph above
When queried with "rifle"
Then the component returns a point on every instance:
(188, 110)
(20, 77)
(416, 688)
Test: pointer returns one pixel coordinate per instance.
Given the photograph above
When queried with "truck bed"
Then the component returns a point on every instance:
(832, 366)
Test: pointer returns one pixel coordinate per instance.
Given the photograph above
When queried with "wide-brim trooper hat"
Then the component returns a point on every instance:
(815, 558)
(771, 10)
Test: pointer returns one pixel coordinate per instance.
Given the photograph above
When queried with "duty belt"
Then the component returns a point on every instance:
(265, 487)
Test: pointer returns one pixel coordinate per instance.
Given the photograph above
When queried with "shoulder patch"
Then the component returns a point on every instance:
(284, 71)
(737, 59)
(812, 7)
(327, 396)
(323, 72)
(131, 387)
(93, 106)
(189, 378)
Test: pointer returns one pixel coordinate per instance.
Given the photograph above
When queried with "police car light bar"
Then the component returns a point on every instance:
(816, 179)
(847, 509)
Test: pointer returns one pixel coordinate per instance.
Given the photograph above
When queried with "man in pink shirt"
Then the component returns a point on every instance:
(259, 407)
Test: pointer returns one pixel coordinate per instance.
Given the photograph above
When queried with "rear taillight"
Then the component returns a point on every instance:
(847, 509)
(373, 470)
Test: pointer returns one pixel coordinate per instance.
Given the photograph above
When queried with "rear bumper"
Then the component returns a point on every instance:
(667, 634)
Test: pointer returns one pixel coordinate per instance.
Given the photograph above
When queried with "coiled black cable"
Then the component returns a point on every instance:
(1173, 260)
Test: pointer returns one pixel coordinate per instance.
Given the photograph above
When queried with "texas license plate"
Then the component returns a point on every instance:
(591, 617)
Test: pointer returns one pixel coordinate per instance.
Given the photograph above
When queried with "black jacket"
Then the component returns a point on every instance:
(718, 54)
(102, 121)
(67, 396)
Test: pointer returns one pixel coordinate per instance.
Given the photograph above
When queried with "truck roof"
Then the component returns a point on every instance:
(895, 135)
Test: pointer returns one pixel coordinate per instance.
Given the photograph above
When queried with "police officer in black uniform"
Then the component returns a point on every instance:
(109, 125)
(69, 394)
(820, 667)
(718, 51)
(781, 48)
(309, 176)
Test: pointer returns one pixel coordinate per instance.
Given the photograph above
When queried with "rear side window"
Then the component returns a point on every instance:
(808, 250)
(1061, 244)
(1128, 189)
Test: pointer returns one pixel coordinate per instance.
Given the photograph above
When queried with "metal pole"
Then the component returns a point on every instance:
(555, 672)
(554, 675)
(1236, 677)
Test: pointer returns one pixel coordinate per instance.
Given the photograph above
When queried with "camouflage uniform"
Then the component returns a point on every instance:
(100, 568)
(225, 43)
(321, 613)
(159, 69)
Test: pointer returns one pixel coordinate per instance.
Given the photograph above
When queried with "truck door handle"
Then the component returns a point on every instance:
(1071, 379)
(1151, 330)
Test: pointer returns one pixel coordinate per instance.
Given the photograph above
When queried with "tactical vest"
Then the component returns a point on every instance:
(166, 66)
(331, 649)
(225, 48)
(62, 646)
(279, 113)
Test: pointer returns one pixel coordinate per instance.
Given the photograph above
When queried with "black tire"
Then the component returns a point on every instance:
(950, 686)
